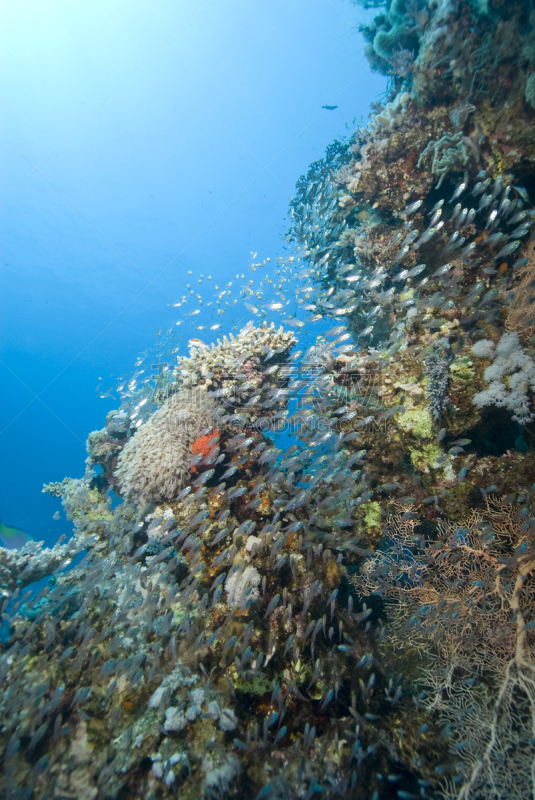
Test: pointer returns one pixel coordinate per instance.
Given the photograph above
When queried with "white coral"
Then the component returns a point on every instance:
(484, 349)
(242, 585)
(510, 377)
(175, 721)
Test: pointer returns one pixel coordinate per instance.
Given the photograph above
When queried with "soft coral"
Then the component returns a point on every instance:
(206, 445)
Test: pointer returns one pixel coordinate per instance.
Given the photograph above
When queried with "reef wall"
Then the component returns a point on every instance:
(319, 577)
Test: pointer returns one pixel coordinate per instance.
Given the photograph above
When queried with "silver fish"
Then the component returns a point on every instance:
(485, 202)
(504, 206)
(452, 239)
(491, 219)
(522, 192)
(436, 217)
(412, 208)
(471, 215)
(443, 269)
(517, 217)
(458, 191)
(521, 230)
(456, 211)
(508, 249)
(401, 275)
(400, 255)
(462, 217)
(480, 187)
(409, 239)
(416, 270)
(437, 206)
(498, 184)
(425, 237)
(495, 238)
(469, 249)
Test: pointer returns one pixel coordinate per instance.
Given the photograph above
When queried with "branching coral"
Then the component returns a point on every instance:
(31, 563)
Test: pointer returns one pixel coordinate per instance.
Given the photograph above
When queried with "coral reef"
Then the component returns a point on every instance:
(311, 573)
(32, 563)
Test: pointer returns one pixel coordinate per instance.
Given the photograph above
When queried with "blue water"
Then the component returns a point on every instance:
(138, 144)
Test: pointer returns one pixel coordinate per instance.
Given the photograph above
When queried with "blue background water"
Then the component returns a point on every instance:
(140, 141)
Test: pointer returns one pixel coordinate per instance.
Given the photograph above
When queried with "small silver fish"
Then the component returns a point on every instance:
(443, 269)
(508, 249)
(492, 217)
(400, 255)
(409, 239)
(480, 187)
(504, 206)
(518, 217)
(366, 331)
(412, 208)
(425, 237)
(336, 331)
(458, 191)
(471, 215)
(416, 270)
(436, 217)
(456, 211)
(522, 192)
(485, 202)
(401, 275)
(452, 239)
(498, 184)
(521, 231)
(495, 238)
(462, 217)
(467, 250)
(437, 206)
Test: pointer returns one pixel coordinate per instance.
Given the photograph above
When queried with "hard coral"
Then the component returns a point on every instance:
(153, 465)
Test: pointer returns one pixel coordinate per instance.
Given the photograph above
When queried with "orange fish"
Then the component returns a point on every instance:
(198, 343)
